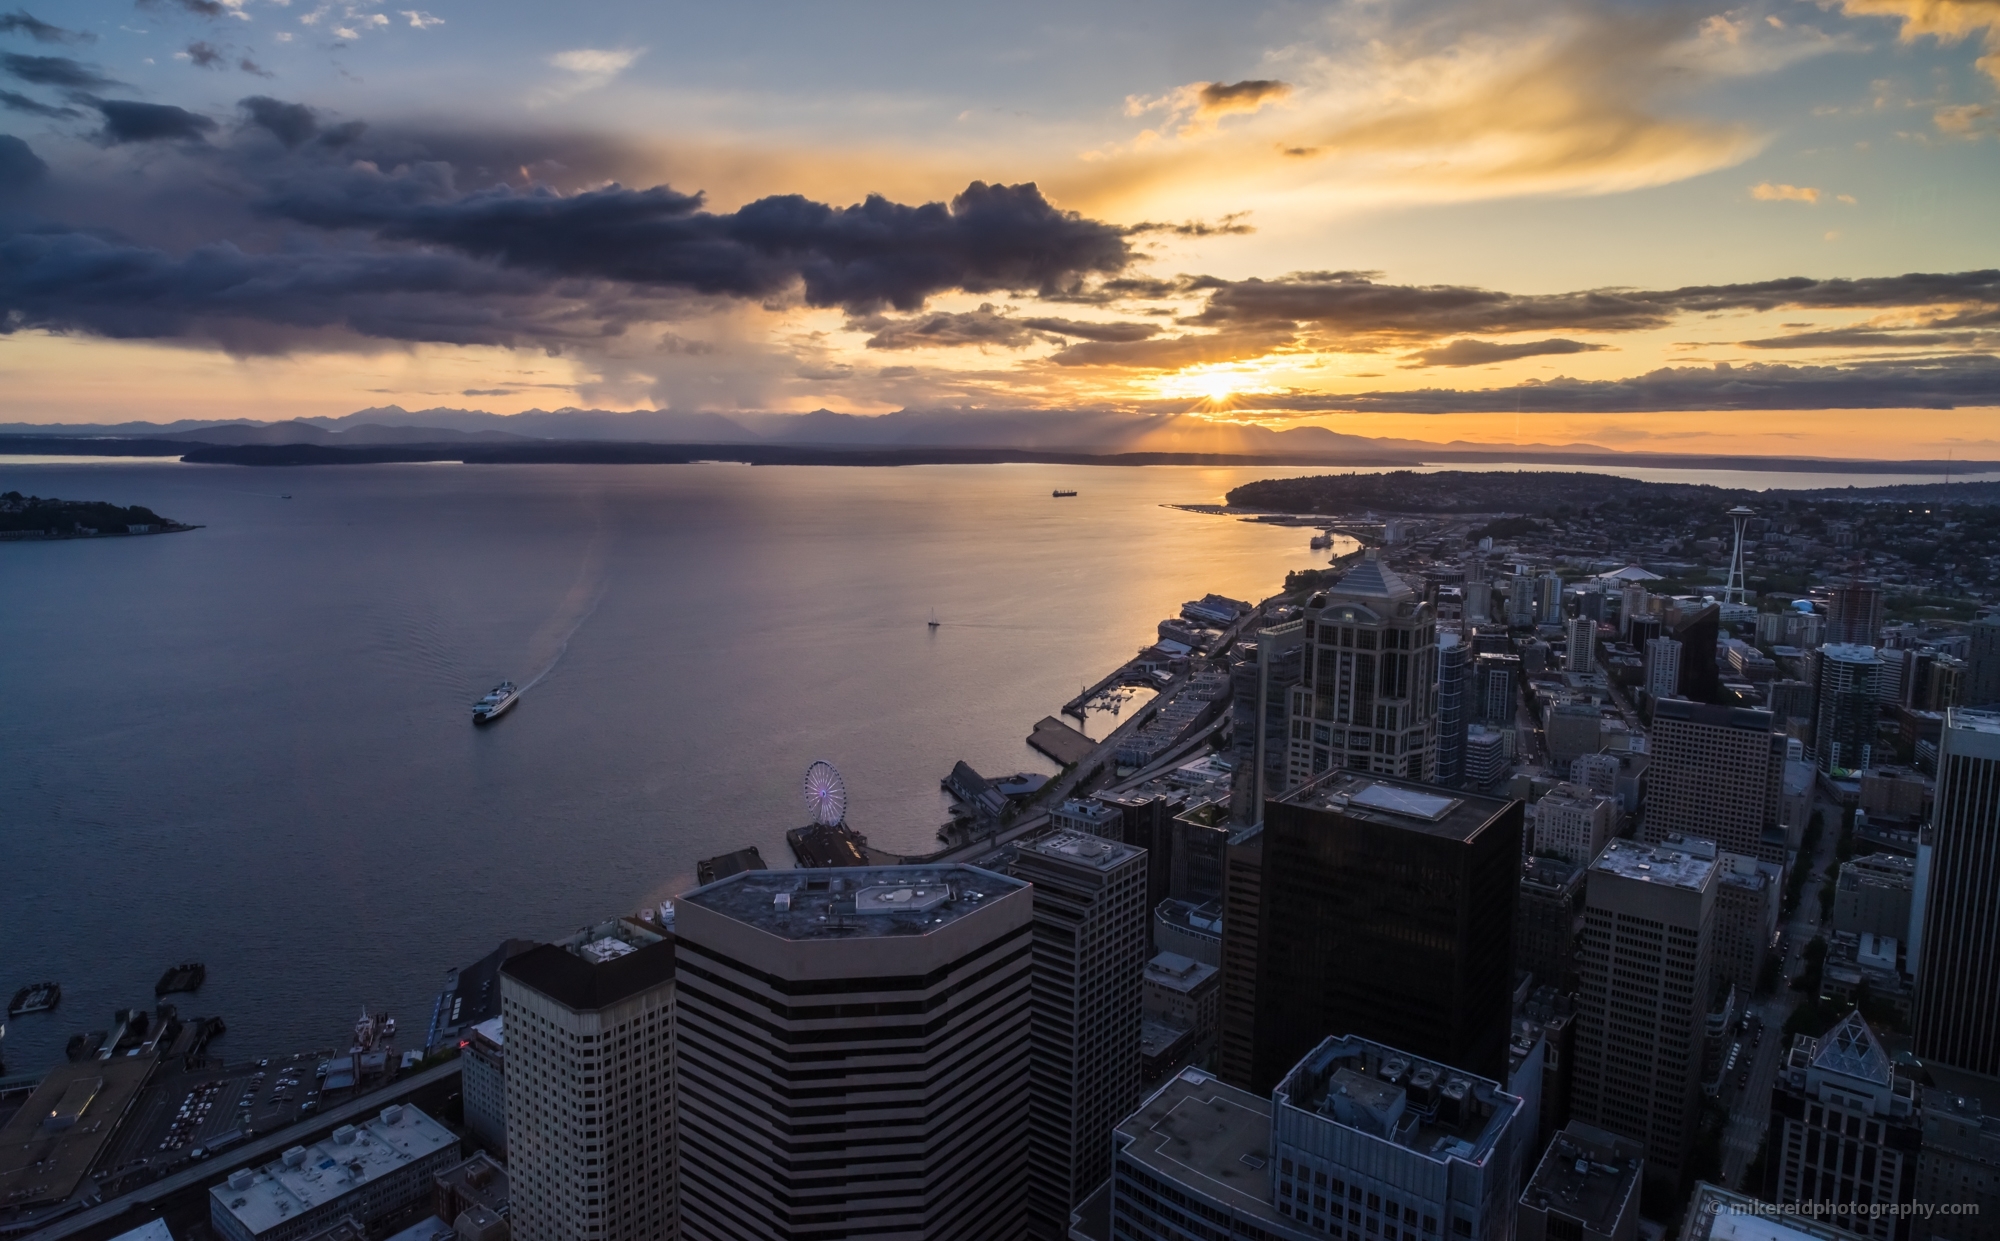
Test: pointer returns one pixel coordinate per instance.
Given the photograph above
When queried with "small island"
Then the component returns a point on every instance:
(45, 517)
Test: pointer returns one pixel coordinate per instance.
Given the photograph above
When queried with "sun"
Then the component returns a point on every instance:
(1216, 386)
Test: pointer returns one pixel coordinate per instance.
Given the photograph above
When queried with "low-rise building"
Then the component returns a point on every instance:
(1186, 994)
(472, 1198)
(1960, 1164)
(1575, 822)
(1873, 895)
(368, 1171)
(1586, 1188)
(1092, 817)
(1192, 929)
(1748, 895)
(1718, 1214)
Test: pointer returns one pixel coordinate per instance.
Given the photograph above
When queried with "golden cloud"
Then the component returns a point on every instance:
(1947, 21)
(1770, 192)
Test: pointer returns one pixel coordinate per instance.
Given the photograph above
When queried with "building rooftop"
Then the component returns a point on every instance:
(1399, 803)
(307, 1177)
(1717, 1214)
(492, 1030)
(1588, 1175)
(596, 981)
(1211, 1137)
(856, 901)
(1974, 721)
(1673, 865)
(1078, 847)
(1178, 973)
(1432, 1109)
(1753, 718)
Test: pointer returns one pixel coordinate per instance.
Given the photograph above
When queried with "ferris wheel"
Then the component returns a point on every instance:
(826, 794)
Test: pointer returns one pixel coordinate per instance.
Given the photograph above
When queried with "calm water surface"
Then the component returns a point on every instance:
(250, 745)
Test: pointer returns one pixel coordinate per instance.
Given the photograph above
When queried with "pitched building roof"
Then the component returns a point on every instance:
(1851, 1050)
(1371, 578)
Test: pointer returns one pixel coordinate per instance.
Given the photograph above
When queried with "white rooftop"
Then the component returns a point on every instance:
(151, 1230)
(1661, 864)
(311, 1176)
(491, 1029)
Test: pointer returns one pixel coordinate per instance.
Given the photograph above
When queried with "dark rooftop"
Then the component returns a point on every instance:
(1753, 718)
(853, 901)
(1398, 803)
(1588, 1175)
(576, 983)
(1208, 1136)
(1433, 1109)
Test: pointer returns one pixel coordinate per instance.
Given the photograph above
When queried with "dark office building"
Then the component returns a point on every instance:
(1547, 921)
(1387, 912)
(1698, 632)
(1148, 823)
(1496, 689)
(1958, 969)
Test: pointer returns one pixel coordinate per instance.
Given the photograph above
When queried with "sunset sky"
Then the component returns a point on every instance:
(1765, 229)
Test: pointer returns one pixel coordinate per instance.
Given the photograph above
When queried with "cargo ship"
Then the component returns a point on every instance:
(1059, 493)
(40, 997)
(489, 708)
(187, 976)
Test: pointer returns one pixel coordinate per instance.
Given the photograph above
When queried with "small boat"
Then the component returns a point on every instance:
(1321, 541)
(187, 976)
(40, 997)
(1059, 493)
(934, 619)
(489, 708)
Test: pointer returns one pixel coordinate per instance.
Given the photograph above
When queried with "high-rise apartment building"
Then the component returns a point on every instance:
(853, 1053)
(1368, 700)
(1522, 600)
(590, 1087)
(1663, 668)
(1262, 690)
(1845, 1130)
(1548, 599)
(1582, 654)
(1090, 960)
(1846, 694)
(1958, 973)
(1496, 688)
(1717, 773)
(1454, 713)
(1575, 823)
(1388, 913)
(1648, 928)
(1487, 751)
(1854, 614)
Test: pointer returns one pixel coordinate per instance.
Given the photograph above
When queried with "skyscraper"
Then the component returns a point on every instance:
(1958, 972)
(1663, 668)
(1547, 919)
(1698, 632)
(1847, 697)
(1090, 961)
(1548, 599)
(1242, 927)
(1368, 700)
(1582, 656)
(854, 1053)
(589, 1085)
(1454, 680)
(1981, 686)
(1387, 912)
(1854, 614)
(1845, 1130)
(1496, 689)
(1573, 822)
(1648, 927)
(1717, 773)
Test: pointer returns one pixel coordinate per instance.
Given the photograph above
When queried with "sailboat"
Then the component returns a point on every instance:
(934, 619)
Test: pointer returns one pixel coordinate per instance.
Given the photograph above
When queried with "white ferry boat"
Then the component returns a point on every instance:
(488, 709)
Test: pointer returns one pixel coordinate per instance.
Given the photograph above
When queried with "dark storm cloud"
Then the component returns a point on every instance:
(20, 167)
(862, 258)
(1937, 383)
(987, 326)
(21, 103)
(289, 123)
(127, 121)
(1353, 304)
(1487, 352)
(20, 21)
(1242, 96)
(271, 303)
(204, 55)
(53, 71)
(200, 8)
